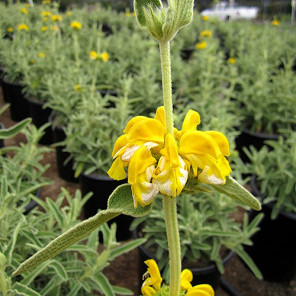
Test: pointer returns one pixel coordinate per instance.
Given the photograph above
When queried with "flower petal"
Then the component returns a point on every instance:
(117, 171)
(201, 290)
(160, 115)
(148, 291)
(186, 279)
(198, 142)
(221, 140)
(155, 278)
(191, 121)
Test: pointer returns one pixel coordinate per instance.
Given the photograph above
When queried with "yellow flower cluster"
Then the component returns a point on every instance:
(160, 162)
(201, 45)
(10, 29)
(46, 13)
(22, 27)
(275, 22)
(152, 284)
(24, 10)
(232, 60)
(205, 18)
(41, 55)
(56, 18)
(76, 25)
(206, 33)
(104, 56)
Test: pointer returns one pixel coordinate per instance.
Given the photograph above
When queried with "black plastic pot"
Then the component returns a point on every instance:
(32, 204)
(274, 246)
(102, 186)
(203, 275)
(13, 93)
(247, 139)
(186, 53)
(64, 165)
(1, 74)
(40, 117)
(1, 140)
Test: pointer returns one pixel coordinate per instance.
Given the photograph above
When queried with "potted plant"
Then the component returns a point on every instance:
(90, 148)
(212, 228)
(274, 182)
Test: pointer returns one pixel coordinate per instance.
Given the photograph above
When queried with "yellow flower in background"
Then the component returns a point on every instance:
(44, 2)
(46, 13)
(22, 27)
(152, 284)
(10, 29)
(232, 60)
(104, 56)
(41, 55)
(77, 87)
(205, 17)
(201, 45)
(198, 290)
(206, 33)
(56, 18)
(68, 13)
(76, 25)
(44, 28)
(93, 55)
(160, 162)
(275, 22)
(32, 62)
(24, 10)
(45, 19)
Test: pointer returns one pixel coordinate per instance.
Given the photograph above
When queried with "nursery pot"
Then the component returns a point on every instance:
(102, 186)
(274, 246)
(40, 117)
(248, 138)
(1, 140)
(32, 204)
(64, 165)
(201, 275)
(13, 93)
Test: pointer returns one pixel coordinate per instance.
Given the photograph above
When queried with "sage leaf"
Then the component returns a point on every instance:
(120, 202)
(12, 131)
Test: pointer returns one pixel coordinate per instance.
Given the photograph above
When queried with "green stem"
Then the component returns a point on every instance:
(170, 209)
(165, 59)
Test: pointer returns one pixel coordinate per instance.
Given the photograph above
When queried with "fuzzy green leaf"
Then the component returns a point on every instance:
(179, 14)
(141, 5)
(12, 131)
(25, 291)
(120, 202)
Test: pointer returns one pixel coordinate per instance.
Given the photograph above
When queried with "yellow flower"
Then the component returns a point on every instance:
(93, 55)
(275, 22)
(201, 45)
(206, 33)
(56, 18)
(23, 27)
(45, 19)
(232, 60)
(160, 162)
(198, 290)
(153, 283)
(77, 87)
(41, 55)
(205, 18)
(46, 13)
(32, 62)
(44, 28)
(76, 25)
(104, 56)
(69, 13)
(24, 11)
(46, 2)
(10, 29)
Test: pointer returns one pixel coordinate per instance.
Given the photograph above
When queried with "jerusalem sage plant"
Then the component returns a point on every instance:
(160, 159)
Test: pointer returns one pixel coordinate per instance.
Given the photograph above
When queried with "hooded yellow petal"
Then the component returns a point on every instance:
(140, 161)
(160, 115)
(201, 290)
(191, 121)
(119, 144)
(198, 142)
(117, 171)
(148, 291)
(221, 140)
(155, 278)
(132, 122)
(186, 279)
(147, 130)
